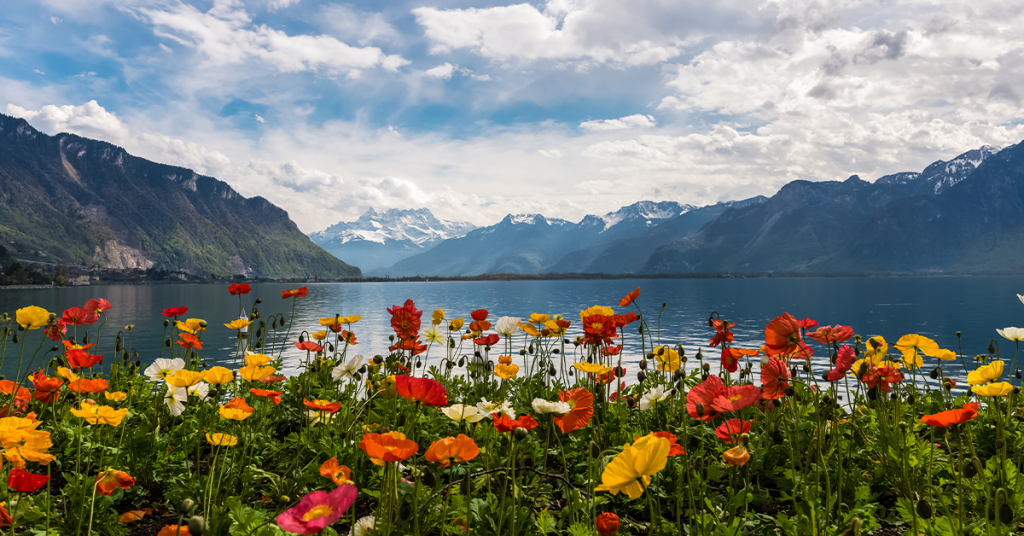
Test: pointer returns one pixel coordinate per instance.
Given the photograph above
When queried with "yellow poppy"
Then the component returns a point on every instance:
(529, 329)
(993, 389)
(185, 378)
(255, 373)
(538, 318)
(635, 464)
(437, 317)
(95, 414)
(913, 345)
(456, 325)
(116, 396)
(984, 374)
(67, 374)
(875, 350)
(319, 335)
(257, 359)
(221, 440)
(33, 317)
(192, 325)
(350, 319)
(554, 329)
(238, 324)
(21, 441)
(591, 368)
(129, 327)
(506, 371)
(598, 310)
(234, 414)
(219, 376)
(390, 387)
(668, 359)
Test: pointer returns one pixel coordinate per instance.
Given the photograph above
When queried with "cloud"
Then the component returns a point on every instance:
(227, 35)
(56, 20)
(90, 120)
(260, 119)
(636, 120)
(349, 23)
(443, 72)
(280, 4)
(550, 153)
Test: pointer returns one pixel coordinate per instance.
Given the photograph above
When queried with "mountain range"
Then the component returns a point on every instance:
(379, 239)
(75, 200)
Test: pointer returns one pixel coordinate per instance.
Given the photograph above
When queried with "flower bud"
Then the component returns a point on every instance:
(520, 433)
(790, 391)
(14, 339)
(259, 300)
(699, 407)
(186, 506)
(991, 348)
(55, 348)
(202, 323)
(706, 367)
(640, 376)
(196, 525)
(776, 402)
(934, 374)
(924, 509)
(910, 399)
(643, 365)
(384, 429)
(777, 437)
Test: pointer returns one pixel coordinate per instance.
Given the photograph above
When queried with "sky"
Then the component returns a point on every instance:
(475, 110)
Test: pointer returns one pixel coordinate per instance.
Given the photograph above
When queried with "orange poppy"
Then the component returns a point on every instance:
(722, 332)
(8, 387)
(174, 530)
(339, 474)
(308, 346)
(322, 405)
(730, 430)
(582, 404)
(300, 292)
(831, 334)
(134, 515)
(775, 376)
(80, 359)
(782, 335)
(737, 455)
(630, 298)
(274, 396)
(46, 388)
(190, 342)
(503, 423)
(675, 449)
(95, 385)
(107, 481)
(239, 403)
(731, 357)
(389, 447)
(452, 450)
(952, 416)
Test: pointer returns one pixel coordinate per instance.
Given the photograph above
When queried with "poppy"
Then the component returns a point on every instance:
(300, 292)
(675, 449)
(882, 376)
(20, 393)
(258, 360)
(339, 474)
(607, 523)
(993, 389)
(97, 306)
(76, 316)
(96, 414)
(425, 391)
(274, 396)
(132, 516)
(723, 333)
(582, 404)
(463, 412)
(506, 371)
(807, 323)
(630, 298)
(479, 315)
(22, 442)
(704, 393)
(322, 405)
(173, 312)
(668, 359)
(630, 472)
(503, 423)
(731, 430)
(95, 385)
(234, 414)
(24, 481)
(599, 330)
(610, 351)
(605, 377)
(625, 320)
(317, 510)
(737, 455)
(479, 326)
(487, 340)
(736, 397)
(452, 450)
(389, 447)
(107, 481)
(174, 530)
(913, 345)
(986, 373)
(239, 288)
(831, 334)
(591, 368)
(782, 335)
(46, 388)
(221, 440)
(952, 416)
(241, 323)
(658, 395)
(57, 331)
(775, 376)
(185, 378)
(218, 375)
(116, 396)
(413, 346)
(80, 359)
(529, 329)
(32, 317)
(731, 357)
(189, 342)
(308, 346)
(348, 337)
(255, 373)
(845, 358)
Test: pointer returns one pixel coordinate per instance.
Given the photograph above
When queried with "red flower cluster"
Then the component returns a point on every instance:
(845, 358)
(300, 292)
(599, 330)
(405, 320)
(504, 424)
(235, 288)
(717, 399)
(722, 332)
(172, 312)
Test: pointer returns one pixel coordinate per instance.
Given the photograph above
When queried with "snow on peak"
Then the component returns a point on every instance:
(651, 212)
(419, 226)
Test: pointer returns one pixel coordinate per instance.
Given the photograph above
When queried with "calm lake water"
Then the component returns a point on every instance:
(936, 307)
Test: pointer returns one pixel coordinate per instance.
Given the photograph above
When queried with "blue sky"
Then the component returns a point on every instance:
(564, 107)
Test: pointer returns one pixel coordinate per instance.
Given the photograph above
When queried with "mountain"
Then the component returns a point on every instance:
(380, 239)
(88, 202)
(532, 243)
(847, 226)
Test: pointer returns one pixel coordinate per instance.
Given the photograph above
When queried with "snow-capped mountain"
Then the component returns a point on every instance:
(941, 175)
(382, 238)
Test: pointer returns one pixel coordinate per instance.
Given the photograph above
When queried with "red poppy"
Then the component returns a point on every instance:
(348, 337)
(57, 331)
(273, 379)
(625, 320)
(5, 516)
(80, 359)
(731, 357)
(504, 424)
(235, 288)
(172, 312)
(605, 378)
(736, 397)
(82, 385)
(405, 320)
(308, 346)
(704, 393)
(322, 405)
(300, 292)
(274, 396)
(582, 404)
(882, 377)
(24, 481)
(239, 403)
(807, 323)
(845, 358)
(413, 346)
(599, 330)
(47, 388)
(782, 335)
(609, 351)
(630, 298)
(189, 341)
(76, 316)
(675, 449)
(831, 334)
(487, 340)
(479, 315)
(97, 306)
(479, 326)
(731, 430)
(424, 391)
(952, 416)
(775, 376)
(722, 332)
(607, 524)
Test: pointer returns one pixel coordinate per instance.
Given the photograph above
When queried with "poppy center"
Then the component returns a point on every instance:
(734, 398)
(316, 512)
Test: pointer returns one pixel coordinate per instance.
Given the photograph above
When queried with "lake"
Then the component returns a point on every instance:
(936, 307)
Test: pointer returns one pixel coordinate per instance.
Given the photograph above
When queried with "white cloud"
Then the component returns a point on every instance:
(89, 120)
(349, 23)
(443, 72)
(37, 71)
(636, 120)
(260, 119)
(227, 35)
(56, 20)
(280, 4)
(550, 153)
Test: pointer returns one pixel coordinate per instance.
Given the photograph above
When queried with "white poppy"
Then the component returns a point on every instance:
(364, 525)
(507, 326)
(433, 334)
(544, 406)
(652, 399)
(161, 369)
(175, 400)
(463, 412)
(317, 417)
(201, 390)
(348, 368)
(487, 408)
(1014, 334)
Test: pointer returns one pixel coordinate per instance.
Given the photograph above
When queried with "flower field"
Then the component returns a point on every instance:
(521, 426)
